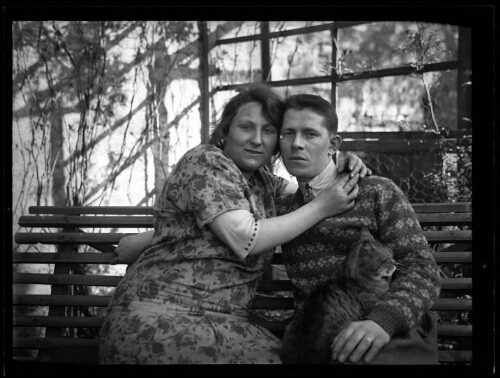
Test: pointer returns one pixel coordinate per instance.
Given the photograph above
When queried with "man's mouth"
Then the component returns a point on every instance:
(254, 152)
(297, 158)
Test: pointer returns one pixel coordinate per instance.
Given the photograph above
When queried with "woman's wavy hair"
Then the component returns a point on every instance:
(272, 107)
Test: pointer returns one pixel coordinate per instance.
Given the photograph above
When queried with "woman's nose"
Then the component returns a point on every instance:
(256, 138)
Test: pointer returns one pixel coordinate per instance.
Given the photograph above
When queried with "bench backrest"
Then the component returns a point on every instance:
(447, 227)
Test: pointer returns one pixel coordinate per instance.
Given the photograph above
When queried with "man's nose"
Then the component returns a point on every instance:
(297, 142)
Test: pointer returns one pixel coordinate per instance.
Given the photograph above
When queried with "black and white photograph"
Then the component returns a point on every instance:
(249, 190)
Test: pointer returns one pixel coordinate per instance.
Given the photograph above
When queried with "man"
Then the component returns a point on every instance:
(399, 329)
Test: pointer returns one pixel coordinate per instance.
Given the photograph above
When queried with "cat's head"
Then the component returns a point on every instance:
(369, 260)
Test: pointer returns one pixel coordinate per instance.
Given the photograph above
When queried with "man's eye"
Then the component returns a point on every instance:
(286, 134)
(311, 135)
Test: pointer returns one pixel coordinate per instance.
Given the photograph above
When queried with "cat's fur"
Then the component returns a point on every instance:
(346, 297)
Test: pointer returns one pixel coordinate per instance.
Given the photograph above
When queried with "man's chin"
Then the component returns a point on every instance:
(297, 173)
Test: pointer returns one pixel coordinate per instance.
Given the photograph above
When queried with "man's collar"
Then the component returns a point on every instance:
(321, 181)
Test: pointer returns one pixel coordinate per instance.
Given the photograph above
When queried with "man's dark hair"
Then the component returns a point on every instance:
(318, 105)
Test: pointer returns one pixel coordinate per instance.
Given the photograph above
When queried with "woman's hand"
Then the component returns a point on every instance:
(339, 197)
(359, 340)
(131, 247)
(353, 164)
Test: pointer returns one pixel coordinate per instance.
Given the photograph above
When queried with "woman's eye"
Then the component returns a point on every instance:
(270, 130)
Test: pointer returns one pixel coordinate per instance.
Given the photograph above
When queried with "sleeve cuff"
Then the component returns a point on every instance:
(239, 230)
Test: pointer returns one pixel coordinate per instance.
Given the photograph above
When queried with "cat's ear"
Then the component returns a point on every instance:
(367, 247)
(365, 233)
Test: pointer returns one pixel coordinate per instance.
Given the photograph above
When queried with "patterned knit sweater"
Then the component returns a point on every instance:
(385, 210)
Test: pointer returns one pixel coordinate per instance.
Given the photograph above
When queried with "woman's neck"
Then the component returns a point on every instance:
(247, 175)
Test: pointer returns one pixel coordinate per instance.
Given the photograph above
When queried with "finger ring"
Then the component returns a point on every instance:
(351, 197)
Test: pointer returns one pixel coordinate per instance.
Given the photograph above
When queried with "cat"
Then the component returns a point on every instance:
(347, 296)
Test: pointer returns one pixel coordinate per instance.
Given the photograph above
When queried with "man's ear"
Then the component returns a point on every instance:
(335, 142)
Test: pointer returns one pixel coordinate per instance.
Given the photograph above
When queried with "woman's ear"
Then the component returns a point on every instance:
(222, 139)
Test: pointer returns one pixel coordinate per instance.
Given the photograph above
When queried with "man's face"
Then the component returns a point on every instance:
(306, 145)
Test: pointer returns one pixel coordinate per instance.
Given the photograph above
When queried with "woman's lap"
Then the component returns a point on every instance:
(143, 337)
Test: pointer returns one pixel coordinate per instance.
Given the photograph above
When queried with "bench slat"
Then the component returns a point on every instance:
(51, 258)
(278, 326)
(61, 221)
(52, 342)
(453, 257)
(445, 356)
(455, 356)
(265, 285)
(456, 284)
(58, 321)
(275, 326)
(272, 303)
(441, 257)
(447, 236)
(65, 279)
(451, 304)
(454, 330)
(111, 210)
(60, 300)
(444, 219)
(260, 302)
(105, 258)
(69, 238)
(286, 285)
(446, 207)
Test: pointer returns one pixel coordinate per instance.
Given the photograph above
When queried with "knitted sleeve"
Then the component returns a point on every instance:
(416, 283)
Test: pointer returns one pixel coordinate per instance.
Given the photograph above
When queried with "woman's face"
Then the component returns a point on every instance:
(251, 140)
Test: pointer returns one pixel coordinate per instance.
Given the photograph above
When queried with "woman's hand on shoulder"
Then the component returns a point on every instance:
(338, 197)
(353, 164)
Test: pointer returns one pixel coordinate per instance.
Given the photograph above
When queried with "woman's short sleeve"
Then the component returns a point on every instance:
(207, 183)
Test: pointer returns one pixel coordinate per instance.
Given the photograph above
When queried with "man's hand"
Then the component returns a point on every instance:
(130, 247)
(353, 164)
(359, 340)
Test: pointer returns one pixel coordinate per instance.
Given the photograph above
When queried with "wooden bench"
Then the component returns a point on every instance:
(447, 227)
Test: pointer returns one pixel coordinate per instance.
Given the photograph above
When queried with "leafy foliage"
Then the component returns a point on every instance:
(452, 179)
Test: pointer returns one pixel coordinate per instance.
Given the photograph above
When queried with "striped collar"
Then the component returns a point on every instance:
(317, 184)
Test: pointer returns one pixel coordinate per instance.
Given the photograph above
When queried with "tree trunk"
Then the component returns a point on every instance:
(59, 178)
(59, 198)
(161, 146)
(158, 76)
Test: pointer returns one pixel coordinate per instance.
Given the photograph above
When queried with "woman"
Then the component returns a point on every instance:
(187, 297)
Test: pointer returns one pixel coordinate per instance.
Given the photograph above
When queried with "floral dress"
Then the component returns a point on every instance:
(186, 299)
